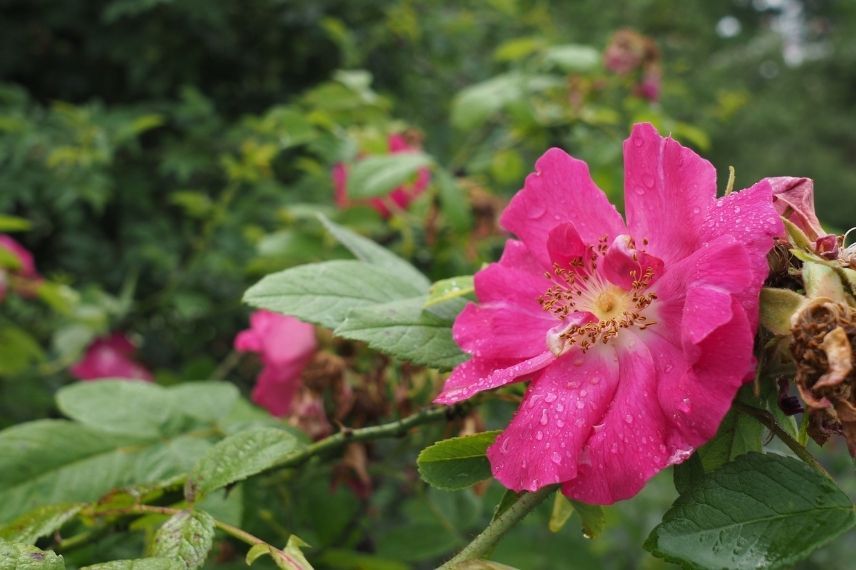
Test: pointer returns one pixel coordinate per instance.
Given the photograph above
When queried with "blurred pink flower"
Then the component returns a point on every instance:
(401, 196)
(285, 346)
(110, 357)
(26, 268)
(649, 87)
(641, 334)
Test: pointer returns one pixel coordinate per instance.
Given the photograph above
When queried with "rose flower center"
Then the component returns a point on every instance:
(590, 307)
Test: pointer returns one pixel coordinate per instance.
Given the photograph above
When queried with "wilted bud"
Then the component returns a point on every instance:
(824, 336)
(793, 198)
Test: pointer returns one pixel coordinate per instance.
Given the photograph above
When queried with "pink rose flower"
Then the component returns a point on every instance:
(285, 345)
(401, 196)
(110, 357)
(26, 269)
(641, 333)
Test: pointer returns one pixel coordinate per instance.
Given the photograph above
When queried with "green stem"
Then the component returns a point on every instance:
(234, 531)
(766, 419)
(484, 542)
(397, 428)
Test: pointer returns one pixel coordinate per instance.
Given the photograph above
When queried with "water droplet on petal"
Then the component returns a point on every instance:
(504, 447)
(580, 404)
(544, 418)
(583, 392)
(639, 190)
(556, 458)
(628, 418)
(535, 209)
(539, 436)
(560, 423)
(560, 407)
(551, 397)
(696, 211)
(648, 180)
(638, 142)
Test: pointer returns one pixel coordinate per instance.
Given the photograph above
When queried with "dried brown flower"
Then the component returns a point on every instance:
(824, 334)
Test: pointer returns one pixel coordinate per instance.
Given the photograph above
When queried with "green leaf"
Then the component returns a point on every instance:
(593, 518)
(138, 564)
(15, 556)
(759, 511)
(798, 237)
(53, 461)
(518, 48)
(453, 201)
(380, 175)
(142, 408)
(687, 474)
(13, 224)
(187, 537)
(207, 402)
(404, 330)
(238, 457)
(28, 528)
(458, 462)
(368, 251)
(507, 500)
(562, 511)
(448, 289)
(573, 57)
(18, 350)
(477, 103)
(737, 434)
(290, 558)
(324, 293)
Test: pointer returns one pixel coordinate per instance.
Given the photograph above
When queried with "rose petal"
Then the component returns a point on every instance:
(477, 375)
(559, 191)
(668, 190)
(541, 446)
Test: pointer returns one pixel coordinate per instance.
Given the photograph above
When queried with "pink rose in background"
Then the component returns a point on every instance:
(26, 269)
(640, 335)
(651, 84)
(401, 196)
(630, 53)
(110, 357)
(285, 346)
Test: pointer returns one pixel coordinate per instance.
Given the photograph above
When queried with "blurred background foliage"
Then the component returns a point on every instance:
(167, 153)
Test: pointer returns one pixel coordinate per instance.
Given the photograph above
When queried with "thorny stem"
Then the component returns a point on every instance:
(398, 428)
(766, 419)
(487, 539)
